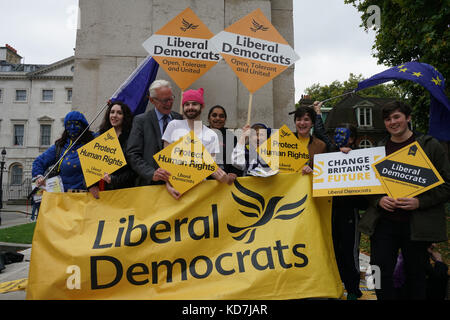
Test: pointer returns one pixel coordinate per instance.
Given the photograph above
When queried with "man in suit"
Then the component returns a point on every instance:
(145, 136)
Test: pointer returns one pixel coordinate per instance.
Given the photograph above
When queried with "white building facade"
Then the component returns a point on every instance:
(33, 101)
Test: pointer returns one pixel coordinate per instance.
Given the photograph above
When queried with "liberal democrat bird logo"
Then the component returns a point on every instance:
(257, 26)
(187, 25)
(263, 213)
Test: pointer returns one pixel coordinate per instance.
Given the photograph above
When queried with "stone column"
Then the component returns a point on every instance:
(109, 48)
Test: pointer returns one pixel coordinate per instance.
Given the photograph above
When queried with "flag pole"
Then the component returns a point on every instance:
(335, 97)
(181, 102)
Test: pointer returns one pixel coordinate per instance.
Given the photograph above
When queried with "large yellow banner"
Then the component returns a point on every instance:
(261, 238)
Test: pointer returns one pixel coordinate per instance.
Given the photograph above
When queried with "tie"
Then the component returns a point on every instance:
(165, 119)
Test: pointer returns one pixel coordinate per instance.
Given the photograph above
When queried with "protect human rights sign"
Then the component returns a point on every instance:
(188, 162)
(283, 151)
(101, 155)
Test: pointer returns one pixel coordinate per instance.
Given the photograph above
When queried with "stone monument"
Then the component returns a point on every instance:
(109, 47)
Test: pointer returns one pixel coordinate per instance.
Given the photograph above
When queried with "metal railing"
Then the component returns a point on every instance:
(16, 192)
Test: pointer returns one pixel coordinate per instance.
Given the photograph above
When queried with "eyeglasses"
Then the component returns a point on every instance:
(165, 101)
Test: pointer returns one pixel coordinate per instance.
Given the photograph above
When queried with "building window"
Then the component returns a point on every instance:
(69, 94)
(1, 95)
(364, 117)
(16, 174)
(21, 95)
(19, 130)
(365, 144)
(46, 131)
(47, 95)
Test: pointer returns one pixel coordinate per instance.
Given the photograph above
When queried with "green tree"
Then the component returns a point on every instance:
(336, 88)
(411, 30)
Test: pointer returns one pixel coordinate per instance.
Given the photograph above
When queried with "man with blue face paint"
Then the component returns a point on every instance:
(69, 169)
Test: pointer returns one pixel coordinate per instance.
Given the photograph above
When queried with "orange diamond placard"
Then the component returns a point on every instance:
(183, 49)
(255, 50)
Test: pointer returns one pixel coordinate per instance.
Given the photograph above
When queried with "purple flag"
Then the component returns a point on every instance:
(134, 91)
(431, 79)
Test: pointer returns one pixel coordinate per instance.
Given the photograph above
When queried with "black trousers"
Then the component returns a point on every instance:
(346, 247)
(390, 237)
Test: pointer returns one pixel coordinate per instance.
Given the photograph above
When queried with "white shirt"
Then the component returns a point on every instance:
(179, 128)
(253, 168)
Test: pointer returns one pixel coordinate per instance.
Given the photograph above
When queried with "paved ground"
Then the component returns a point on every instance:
(12, 215)
(15, 215)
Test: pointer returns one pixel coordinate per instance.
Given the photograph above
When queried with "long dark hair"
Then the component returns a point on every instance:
(220, 107)
(127, 118)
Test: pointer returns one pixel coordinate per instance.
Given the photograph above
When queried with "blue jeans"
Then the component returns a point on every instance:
(35, 210)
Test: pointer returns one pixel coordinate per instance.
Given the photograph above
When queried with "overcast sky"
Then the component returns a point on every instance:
(330, 43)
(328, 38)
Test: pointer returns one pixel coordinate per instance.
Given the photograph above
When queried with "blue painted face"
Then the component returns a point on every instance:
(73, 128)
(341, 137)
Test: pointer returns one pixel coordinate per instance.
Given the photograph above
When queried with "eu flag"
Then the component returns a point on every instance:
(134, 91)
(431, 79)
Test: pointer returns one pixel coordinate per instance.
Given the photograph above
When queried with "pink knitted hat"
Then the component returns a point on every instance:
(193, 95)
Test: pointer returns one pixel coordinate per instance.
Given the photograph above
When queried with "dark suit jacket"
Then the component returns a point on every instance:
(145, 141)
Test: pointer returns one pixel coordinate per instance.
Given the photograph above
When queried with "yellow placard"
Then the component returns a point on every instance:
(188, 162)
(182, 48)
(407, 172)
(255, 50)
(261, 238)
(14, 285)
(283, 151)
(101, 155)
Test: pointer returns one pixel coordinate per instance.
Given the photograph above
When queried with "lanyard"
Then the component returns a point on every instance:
(64, 154)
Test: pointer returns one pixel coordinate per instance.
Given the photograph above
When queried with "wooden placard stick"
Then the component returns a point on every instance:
(181, 102)
(249, 111)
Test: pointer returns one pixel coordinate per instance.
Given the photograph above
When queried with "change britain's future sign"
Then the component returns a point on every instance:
(346, 174)
(407, 172)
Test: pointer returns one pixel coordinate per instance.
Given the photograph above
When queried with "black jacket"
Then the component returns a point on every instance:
(428, 222)
(145, 141)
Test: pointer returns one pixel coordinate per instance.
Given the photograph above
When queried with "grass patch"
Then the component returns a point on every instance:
(18, 234)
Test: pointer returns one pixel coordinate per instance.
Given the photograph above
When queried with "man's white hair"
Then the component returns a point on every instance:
(158, 84)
